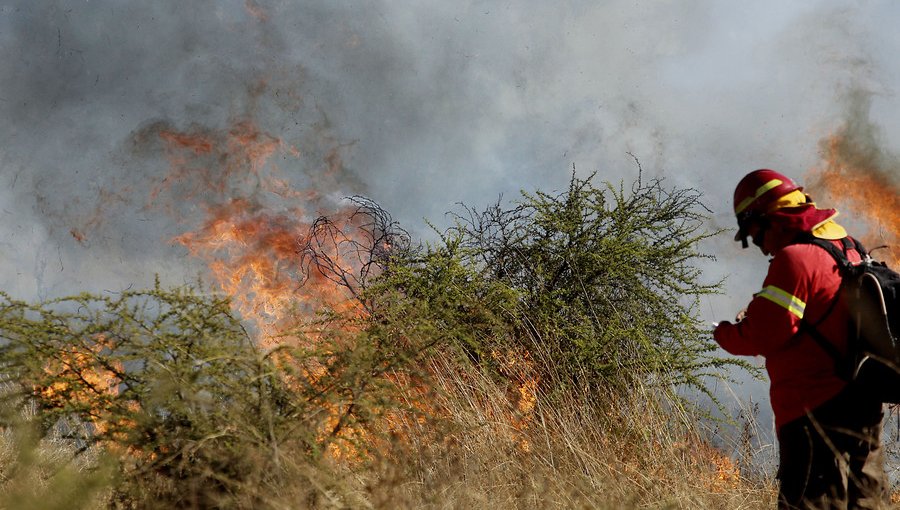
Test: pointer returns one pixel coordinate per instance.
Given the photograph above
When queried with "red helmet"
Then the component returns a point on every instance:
(754, 196)
(760, 189)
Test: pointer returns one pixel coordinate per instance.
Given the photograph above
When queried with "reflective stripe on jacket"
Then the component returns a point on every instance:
(802, 282)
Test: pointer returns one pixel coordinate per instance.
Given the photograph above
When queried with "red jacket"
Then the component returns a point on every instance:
(802, 283)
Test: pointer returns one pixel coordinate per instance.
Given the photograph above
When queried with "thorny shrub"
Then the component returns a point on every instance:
(170, 383)
(592, 291)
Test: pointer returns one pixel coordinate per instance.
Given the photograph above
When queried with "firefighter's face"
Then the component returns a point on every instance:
(757, 232)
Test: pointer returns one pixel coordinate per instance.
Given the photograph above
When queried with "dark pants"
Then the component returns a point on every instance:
(831, 458)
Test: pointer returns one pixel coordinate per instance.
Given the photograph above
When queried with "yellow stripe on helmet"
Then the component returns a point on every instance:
(774, 183)
(784, 299)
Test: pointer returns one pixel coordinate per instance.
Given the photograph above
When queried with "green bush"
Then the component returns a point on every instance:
(168, 379)
(598, 285)
(609, 280)
(592, 291)
(170, 384)
(594, 287)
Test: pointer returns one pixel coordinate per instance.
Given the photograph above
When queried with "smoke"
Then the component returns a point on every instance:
(423, 104)
(88, 92)
(418, 105)
(859, 174)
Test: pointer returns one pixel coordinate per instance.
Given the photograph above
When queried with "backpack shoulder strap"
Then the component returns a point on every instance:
(863, 254)
(843, 264)
(839, 256)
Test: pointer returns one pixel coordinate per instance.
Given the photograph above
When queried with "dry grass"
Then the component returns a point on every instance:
(484, 445)
(577, 452)
(50, 473)
(574, 453)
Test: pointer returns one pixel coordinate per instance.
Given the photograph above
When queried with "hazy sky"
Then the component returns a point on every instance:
(427, 103)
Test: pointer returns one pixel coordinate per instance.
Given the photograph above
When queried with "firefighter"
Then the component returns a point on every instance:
(828, 433)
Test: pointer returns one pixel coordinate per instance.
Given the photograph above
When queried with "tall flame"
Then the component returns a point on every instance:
(856, 174)
(245, 221)
(251, 219)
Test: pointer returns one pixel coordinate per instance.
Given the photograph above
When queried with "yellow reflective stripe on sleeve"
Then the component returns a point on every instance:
(774, 183)
(784, 299)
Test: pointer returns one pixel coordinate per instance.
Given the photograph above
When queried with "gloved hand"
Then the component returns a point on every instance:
(738, 318)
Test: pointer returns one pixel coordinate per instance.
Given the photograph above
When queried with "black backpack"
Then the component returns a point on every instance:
(871, 291)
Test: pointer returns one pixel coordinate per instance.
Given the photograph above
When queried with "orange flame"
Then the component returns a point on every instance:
(855, 176)
(79, 377)
(727, 473)
(252, 220)
(519, 368)
(720, 472)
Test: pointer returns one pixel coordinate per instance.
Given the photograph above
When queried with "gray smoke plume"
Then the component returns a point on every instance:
(427, 105)
(418, 105)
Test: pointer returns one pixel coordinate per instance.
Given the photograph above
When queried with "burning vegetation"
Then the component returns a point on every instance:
(334, 361)
(857, 174)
